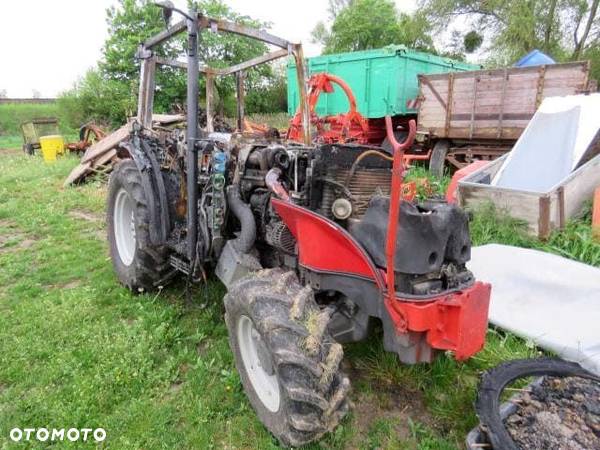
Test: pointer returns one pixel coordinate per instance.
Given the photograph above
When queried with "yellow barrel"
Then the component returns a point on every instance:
(51, 146)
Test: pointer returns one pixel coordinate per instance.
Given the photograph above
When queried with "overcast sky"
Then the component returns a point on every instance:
(48, 44)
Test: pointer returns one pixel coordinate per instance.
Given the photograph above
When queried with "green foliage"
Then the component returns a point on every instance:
(368, 24)
(567, 30)
(94, 97)
(12, 115)
(108, 93)
(574, 242)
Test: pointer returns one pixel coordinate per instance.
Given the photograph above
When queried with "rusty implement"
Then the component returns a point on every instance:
(100, 156)
(89, 134)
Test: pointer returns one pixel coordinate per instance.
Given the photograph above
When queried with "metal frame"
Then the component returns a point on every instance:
(150, 61)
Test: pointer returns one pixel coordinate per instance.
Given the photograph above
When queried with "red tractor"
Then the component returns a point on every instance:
(312, 241)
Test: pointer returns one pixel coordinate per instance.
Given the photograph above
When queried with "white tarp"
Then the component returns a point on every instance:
(553, 301)
(552, 145)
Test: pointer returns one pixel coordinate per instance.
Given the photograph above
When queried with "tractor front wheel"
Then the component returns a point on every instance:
(288, 362)
(140, 265)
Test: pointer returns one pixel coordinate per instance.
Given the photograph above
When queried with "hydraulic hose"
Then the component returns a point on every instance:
(245, 241)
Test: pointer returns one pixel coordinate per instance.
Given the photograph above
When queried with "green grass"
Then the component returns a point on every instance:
(13, 114)
(77, 349)
(11, 142)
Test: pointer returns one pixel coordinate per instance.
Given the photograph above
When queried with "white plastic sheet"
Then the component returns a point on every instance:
(553, 301)
(552, 145)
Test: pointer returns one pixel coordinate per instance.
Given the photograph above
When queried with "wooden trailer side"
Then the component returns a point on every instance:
(493, 104)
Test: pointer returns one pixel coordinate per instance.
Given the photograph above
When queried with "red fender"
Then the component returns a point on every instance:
(325, 246)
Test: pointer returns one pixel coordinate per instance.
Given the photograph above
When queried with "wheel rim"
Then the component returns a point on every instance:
(258, 364)
(124, 226)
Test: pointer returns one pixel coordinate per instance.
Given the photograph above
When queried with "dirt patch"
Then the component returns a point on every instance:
(395, 404)
(560, 413)
(202, 347)
(10, 151)
(71, 284)
(12, 239)
(88, 216)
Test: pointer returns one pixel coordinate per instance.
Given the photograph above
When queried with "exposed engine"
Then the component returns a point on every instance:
(348, 184)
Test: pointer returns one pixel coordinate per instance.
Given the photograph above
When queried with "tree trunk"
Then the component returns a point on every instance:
(549, 23)
(581, 44)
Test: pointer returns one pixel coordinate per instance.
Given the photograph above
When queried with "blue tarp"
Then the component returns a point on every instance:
(535, 58)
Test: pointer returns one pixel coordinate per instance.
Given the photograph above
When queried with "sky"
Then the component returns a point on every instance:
(48, 44)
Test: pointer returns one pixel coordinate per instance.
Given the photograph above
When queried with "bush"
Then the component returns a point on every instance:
(93, 98)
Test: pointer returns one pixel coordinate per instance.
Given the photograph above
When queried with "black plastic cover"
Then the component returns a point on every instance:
(429, 235)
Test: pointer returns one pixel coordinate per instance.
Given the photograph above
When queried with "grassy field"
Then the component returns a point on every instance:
(79, 350)
(12, 115)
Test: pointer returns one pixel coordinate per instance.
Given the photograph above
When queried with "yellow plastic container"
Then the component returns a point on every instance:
(51, 146)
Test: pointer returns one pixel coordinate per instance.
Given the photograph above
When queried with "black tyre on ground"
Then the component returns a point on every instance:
(139, 265)
(387, 145)
(438, 158)
(28, 149)
(288, 363)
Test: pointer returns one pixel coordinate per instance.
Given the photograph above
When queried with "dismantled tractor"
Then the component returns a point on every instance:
(313, 243)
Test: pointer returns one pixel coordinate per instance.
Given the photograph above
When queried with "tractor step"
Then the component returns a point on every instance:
(179, 264)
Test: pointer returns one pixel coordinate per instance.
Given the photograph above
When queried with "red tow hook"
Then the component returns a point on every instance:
(395, 198)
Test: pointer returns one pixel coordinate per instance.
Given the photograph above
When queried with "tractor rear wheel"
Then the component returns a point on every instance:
(140, 265)
(288, 362)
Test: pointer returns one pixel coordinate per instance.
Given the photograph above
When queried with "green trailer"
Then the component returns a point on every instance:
(384, 81)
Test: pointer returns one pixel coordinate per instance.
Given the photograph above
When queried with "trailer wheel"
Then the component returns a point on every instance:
(139, 265)
(438, 158)
(387, 145)
(288, 363)
(28, 149)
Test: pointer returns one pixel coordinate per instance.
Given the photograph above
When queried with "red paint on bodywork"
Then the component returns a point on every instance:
(456, 322)
(459, 175)
(323, 245)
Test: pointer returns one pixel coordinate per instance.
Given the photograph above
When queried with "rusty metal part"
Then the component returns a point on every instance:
(349, 127)
(459, 157)
(89, 134)
(150, 60)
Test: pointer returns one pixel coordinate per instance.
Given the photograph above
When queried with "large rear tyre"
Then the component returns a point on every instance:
(437, 161)
(139, 265)
(288, 363)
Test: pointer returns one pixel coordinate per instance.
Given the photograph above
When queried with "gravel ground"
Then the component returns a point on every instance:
(558, 414)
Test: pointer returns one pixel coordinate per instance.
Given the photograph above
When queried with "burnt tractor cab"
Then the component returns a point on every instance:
(313, 242)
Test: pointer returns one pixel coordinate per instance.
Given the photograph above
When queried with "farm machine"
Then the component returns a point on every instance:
(313, 242)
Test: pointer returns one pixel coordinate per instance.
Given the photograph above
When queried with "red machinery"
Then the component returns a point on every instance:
(455, 321)
(342, 128)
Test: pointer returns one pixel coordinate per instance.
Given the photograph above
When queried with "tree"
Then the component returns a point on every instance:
(366, 24)
(565, 29)
(133, 21)
(3, 93)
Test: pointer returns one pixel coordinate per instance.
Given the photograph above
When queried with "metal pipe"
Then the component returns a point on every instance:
(395, 200)
(192, 135)
(245, 241)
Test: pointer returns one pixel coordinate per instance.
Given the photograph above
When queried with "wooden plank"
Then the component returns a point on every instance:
(183, 65)
(146, 92)
(104, 145)
(210, 89)
(512, 94)
(543, 212)
(165, 35)
(579, 187)
(473, 106)
(165, 119)
(435, 93)
(449, 103)
(256, 61)
(240, 93)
